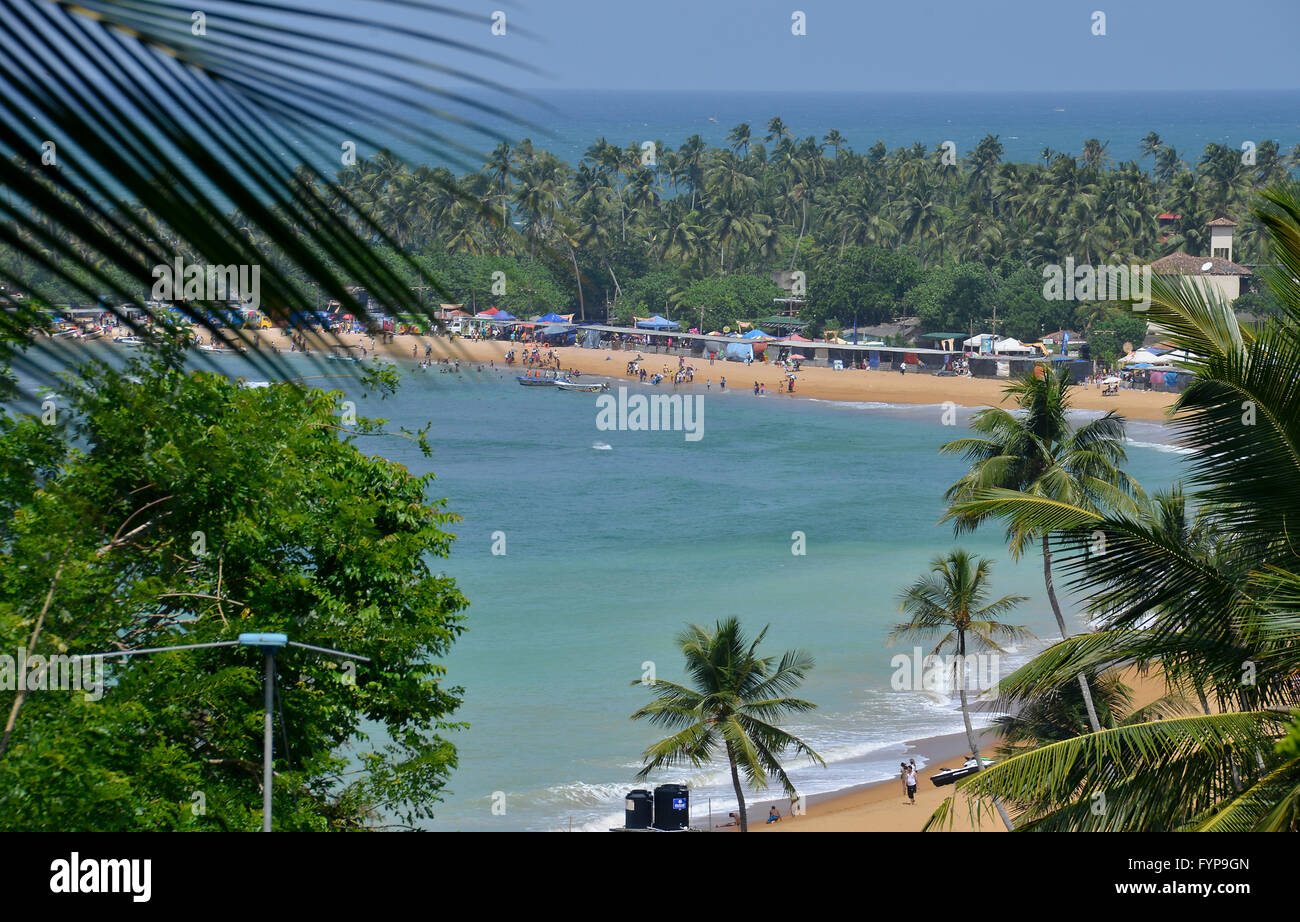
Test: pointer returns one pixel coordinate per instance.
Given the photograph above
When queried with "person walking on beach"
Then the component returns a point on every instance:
(911, 784)
(722, 385)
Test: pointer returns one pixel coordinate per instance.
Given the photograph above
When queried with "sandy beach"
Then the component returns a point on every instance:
(883, 806)
(813, 382)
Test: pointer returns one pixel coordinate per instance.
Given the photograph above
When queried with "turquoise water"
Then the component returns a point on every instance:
(615, 540)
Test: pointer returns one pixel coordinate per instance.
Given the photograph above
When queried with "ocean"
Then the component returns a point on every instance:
(614, 541)
(1025, 122)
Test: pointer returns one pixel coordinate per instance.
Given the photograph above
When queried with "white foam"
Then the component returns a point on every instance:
(602, 446)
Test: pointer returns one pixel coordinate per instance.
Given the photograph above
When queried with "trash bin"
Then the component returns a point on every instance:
(672, 806)
(639, 812)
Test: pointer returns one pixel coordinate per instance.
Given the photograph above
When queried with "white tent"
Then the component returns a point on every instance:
(1140, 356)
(1011, 344)
(975, 340)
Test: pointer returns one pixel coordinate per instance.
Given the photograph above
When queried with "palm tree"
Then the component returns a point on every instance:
(731, 709)
(1040, 453)
(1150, 145)
(178, 200)
(1202, 611)
(951, 602)
(1096, 153)
(777, 130)
(739, 138)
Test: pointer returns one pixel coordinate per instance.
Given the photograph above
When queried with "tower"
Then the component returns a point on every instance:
(1221, 238)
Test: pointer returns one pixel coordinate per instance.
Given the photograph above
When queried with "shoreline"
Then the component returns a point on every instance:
(813, 382)
(881, 806)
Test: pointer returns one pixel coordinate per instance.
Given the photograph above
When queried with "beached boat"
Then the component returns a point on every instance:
(536, 382)
(951, 775)
(336, 357)
(133, 341)
(584, 388)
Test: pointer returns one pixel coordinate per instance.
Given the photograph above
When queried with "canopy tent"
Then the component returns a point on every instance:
(657, 323)
(553, 317)
(1139, 356)
(488, 314)
(757, 334)
(1011, 344)
(795, 338)
(504, 316)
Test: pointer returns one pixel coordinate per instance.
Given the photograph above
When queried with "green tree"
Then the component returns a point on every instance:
(952, 298)
(728, 299)
(1200, 612)
(731, 710)
(168, 508)
(867, 282)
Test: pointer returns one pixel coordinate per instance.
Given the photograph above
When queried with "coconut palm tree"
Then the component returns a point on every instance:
(176, 181)
(739, 138)
(731, 710)
(1039, 452)
(1228, 617)
(951, 603)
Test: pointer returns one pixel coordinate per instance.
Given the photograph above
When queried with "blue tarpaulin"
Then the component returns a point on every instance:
(740, 351)
(657, 323)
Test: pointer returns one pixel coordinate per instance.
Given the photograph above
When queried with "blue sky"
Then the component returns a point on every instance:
(908, 45)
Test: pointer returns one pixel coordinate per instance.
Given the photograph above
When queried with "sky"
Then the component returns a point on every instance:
(868, 45)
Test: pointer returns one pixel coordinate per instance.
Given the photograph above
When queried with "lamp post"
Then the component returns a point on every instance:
(268, 643)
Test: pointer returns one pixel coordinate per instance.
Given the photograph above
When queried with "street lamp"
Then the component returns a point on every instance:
(268, 643)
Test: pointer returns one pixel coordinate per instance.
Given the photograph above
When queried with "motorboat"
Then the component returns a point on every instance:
(536, 382)
(584, 388)
(950, 775)
(133, 341)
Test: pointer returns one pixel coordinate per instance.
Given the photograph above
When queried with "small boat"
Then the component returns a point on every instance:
(584, 388)
(536, 382)
(133, 341)
(343, 357)
(951, 775)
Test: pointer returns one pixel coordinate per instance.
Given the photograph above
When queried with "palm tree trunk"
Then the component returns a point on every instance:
(740, 794)
(577, 278)
(802, 226)
(1060, 622)
(965, 716)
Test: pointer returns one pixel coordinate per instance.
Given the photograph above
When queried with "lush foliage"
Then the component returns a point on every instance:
(164, 507)
(1211, 595)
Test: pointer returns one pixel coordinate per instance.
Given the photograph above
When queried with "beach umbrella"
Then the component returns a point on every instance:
(799, 357)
